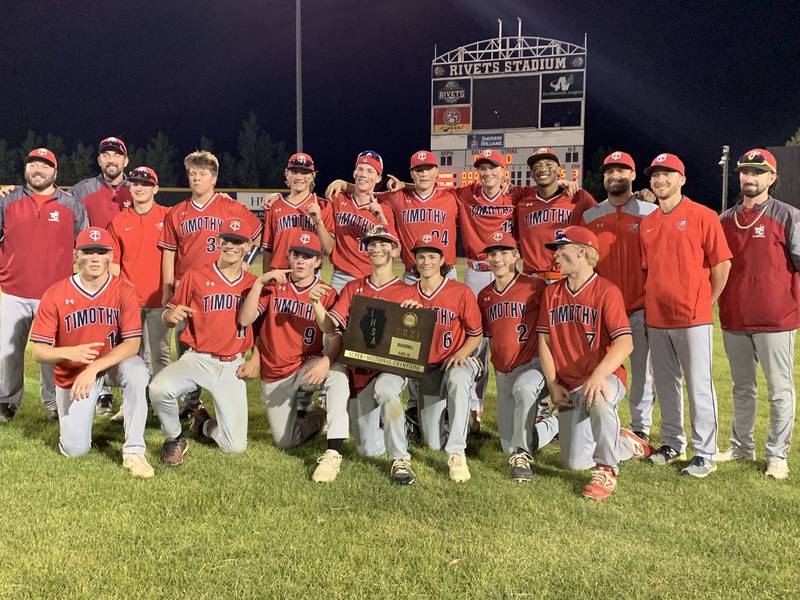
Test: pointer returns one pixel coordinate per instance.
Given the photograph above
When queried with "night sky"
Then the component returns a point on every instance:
(683, 77)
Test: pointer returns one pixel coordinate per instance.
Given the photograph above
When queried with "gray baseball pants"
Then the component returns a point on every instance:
(200, 370)
(75, 417)
(477, 280)
(687, 349)
(16, 318)
(775, 352)
(380, 400)
(520, 395)
(642, 392)
(589, 436)
(280, 399)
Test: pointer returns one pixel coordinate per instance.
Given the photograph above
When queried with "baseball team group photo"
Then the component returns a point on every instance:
(484, 365)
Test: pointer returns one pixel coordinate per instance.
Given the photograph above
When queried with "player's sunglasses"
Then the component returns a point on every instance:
(753, 160)
(98, 251)
(371, 154)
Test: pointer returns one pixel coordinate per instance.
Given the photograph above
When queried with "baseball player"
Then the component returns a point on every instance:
(208, 299)
(509, 308)
(290, 344)
(764, 236)
(356, 211)
(300, 210)
(191, 233)
(543, 210)
(38, 226)
(616, 222)
(444, 394)
(136, 231)
(584, 338)
(88, 325)
(378, 394)
(682, 242)
(104, 197)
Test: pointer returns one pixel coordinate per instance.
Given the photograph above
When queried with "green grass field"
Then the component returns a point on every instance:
(255, 526)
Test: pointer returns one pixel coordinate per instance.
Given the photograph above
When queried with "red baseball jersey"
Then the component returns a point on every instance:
(537, 220)
(509, 320)
(139, 258)
(352, 222)
(415, 216)
(479, 216)
(191, 230)
(102, 201)
(289, 334)
(213, 327)
(284, 219)
(582, 325)
(457, 316)
(678, 250)
(617, 231)
(70, 315)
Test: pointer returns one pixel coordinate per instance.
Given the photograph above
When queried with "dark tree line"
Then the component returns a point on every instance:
(258, 162)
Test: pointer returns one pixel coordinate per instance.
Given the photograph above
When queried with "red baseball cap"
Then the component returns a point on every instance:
(236, 229)
(541, 153)
(667, 162)
(380, 232)
(500, 239)
(423, 158)
(43, 155)
(301, 162)
(619, 159)
(371, 158)
(758, 159)
(491, 156)
(305, 242)
(574, 234)
(428, 242)
(143, 175)
(112, 143)
(94, 237)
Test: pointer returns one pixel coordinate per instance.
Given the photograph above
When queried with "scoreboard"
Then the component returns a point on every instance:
(512, 94)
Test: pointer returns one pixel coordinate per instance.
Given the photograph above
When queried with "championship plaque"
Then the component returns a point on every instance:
(382, 336)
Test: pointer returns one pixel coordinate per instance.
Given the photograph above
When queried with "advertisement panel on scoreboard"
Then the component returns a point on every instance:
(456, 118)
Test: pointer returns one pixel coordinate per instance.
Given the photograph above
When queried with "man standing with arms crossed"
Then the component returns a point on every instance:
(764, 236)
(616, 222)
(687, 261)
(37, 220)
(88, 325)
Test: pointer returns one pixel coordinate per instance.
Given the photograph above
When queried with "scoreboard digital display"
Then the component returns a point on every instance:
(505, 102)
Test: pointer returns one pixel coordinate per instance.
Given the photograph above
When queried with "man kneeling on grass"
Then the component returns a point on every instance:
(290, 344)
(88, 325)
(584, 337)
(208, 299)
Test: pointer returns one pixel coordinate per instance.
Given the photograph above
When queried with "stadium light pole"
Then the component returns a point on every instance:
(298, 63)
(723, 162)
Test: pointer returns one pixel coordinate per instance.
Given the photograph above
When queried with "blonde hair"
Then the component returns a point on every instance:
(202, 159)
(592, 256)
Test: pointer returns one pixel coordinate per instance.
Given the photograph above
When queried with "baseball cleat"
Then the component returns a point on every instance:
(52, 414)
(665, 455)
(105, 404)
(735, 453)
(119, 417)
(137, 465)
(475, 421)
(413, 430)
(189, 406)
(602, 485)
(173, 451)
(459, 471)
(401, 471)
(7, 412)
(199, 419)
(777, 468)
(521, 470)
(642, 435)
(328, 466)
(699, 467)
(641, 449)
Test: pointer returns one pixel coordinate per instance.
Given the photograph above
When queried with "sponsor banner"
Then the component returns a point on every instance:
(500, 67)
(448, 120)
(486, 140)
(253, 200)
(564, 85)
(451, 91)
